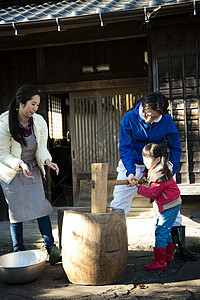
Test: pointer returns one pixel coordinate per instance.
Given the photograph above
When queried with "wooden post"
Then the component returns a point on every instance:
(99, 192)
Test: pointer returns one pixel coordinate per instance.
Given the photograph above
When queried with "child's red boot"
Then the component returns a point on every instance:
(169, 253)
(159, 262)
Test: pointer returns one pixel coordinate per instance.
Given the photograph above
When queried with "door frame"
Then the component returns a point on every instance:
(138, 84)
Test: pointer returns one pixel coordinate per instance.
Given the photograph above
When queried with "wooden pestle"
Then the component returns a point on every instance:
(99, 190)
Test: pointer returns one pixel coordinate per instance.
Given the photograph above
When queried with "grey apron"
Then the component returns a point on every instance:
(25, 197)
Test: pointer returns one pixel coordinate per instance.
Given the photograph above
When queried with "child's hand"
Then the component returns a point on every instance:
(142, 180)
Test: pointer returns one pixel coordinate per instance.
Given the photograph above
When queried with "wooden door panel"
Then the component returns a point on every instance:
(95, 125)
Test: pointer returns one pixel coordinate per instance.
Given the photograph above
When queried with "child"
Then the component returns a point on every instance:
(165, 191)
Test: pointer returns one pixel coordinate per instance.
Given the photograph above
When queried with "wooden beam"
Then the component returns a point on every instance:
(122, 30)
(76, 181)
(137, 83)
(189, 189)
(176, 24)
(46, 25)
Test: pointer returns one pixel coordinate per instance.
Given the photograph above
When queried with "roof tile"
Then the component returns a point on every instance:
(67, 8)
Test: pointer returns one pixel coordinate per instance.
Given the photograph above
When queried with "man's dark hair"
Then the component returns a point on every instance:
(155, 101)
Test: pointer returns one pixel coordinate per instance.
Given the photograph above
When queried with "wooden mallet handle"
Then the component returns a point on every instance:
(124, 182)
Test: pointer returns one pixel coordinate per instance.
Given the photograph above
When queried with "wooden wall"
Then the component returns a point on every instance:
(176, 65)
(17, 68)
(125, 57)
(63, 64)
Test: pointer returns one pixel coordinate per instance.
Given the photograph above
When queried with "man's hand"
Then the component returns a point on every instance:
(132, 180)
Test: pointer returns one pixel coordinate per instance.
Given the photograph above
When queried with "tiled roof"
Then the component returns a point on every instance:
(65, 9)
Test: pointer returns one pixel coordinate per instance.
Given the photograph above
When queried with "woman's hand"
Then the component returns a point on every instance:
(26, 171)
(52, 165)
(132, 179)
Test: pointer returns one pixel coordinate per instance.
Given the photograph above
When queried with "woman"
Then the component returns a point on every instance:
(23, 154)
(148, 123)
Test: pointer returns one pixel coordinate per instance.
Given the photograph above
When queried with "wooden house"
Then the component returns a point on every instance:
(92, 61)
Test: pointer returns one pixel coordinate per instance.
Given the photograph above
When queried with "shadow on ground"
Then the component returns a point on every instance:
(179, 270)
(53, 284)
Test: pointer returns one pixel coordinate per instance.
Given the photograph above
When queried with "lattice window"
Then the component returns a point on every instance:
(55, 117)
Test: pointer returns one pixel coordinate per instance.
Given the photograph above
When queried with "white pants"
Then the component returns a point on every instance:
(124, 195)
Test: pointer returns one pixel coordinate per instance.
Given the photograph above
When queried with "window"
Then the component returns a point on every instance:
(55, 117)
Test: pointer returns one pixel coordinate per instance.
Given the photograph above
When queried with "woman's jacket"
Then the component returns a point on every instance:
(10, 150)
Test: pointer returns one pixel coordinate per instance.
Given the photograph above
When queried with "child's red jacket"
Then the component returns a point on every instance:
(164, 191)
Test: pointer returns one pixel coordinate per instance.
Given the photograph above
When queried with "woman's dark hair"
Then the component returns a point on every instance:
(23, 94)
(154, 151)
(155, 101)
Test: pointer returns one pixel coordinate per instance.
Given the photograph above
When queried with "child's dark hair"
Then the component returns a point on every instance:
(154, 151)
(23, 94)
(155, 101)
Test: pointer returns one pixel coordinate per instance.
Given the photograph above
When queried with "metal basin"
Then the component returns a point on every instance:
(23, 266)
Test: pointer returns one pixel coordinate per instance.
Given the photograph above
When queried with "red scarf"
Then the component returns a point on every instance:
(27, 131)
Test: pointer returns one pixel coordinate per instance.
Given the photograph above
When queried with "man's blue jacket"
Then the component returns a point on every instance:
(135, 134)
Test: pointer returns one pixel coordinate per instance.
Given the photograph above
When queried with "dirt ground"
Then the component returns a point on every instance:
(181, 280)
